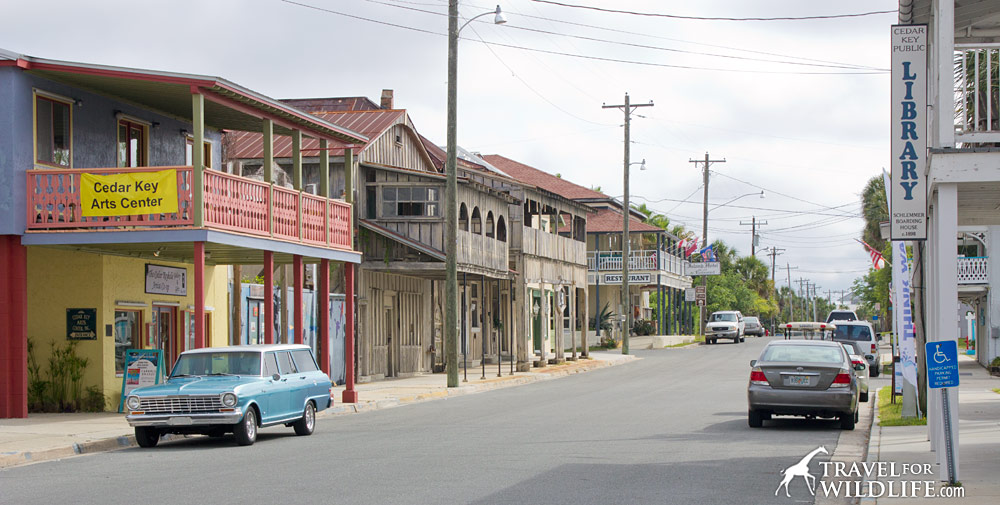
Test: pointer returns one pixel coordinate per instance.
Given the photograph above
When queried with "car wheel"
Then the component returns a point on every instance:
(246, 430)
(307, 424)
(864, 396)
(874, 372)
(146, 436)
(755, 419)
(847, 421)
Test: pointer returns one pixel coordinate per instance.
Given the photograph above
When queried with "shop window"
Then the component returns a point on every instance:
(206, 152)
(566, 311)
(189, 329)
(474, 304)
(128, 335)
(411, 201)
(53, 131)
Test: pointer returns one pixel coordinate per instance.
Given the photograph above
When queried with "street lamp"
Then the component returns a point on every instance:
(451, 192)
(626, 250)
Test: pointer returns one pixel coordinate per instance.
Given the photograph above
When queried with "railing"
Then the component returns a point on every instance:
(977, 93)
(638, 260)
(230, 203)
(482, 251)
(973, 270)
(54, 201)
(548, 245)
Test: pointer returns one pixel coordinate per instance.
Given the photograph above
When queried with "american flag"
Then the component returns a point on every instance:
(877, 260)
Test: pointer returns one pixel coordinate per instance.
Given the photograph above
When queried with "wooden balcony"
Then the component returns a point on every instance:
(482, 251)
(611, 261)
(230, 203)
(548, 245)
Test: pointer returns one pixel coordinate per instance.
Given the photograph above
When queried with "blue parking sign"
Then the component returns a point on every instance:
(942, 364)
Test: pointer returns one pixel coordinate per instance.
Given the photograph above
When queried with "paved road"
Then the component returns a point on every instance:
(670, 428)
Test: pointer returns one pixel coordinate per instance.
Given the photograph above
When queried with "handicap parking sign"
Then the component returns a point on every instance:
(942, 364)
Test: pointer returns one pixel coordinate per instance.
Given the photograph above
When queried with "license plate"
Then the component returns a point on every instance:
(798, 380)
(180, 421)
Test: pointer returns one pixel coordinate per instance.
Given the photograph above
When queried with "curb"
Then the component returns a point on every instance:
(13, 459)
(874, 446)
(853, 450)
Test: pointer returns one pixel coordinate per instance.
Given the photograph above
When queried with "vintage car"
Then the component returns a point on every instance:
(238, 389)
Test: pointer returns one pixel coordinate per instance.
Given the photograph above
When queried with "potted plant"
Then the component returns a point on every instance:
(995, 366)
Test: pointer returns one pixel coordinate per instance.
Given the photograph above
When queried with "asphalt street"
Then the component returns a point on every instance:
(669, 428)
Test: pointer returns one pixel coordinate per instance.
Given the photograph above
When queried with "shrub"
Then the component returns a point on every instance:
(643, 327)
(61, 390)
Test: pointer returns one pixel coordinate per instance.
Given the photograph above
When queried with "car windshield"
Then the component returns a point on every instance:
(729, 318)
(217, 363)
(803, 354)
(841, 315)
(852, 332)
(749, 320)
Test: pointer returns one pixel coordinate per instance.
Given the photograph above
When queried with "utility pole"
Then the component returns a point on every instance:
(753, 233)
(791, 294)
(704, 228)
(804, 296)
(814, 286)
(627, 108)
(773, 254)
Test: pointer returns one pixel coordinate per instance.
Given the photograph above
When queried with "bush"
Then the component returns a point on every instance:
(644, 327)
(61, 389)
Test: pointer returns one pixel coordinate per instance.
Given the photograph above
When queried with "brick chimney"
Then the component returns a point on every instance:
(386, 99)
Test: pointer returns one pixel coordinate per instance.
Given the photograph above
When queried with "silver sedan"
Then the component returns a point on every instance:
(811, 378)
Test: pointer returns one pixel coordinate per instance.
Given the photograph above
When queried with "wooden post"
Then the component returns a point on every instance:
(236, 331)
(268, 297)
(198, 156)
(268, 137)
(298, 309)
(350, 394)
(199, 293)
(323, 344)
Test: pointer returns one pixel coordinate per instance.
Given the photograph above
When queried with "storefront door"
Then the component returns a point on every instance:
(255, 321)
(165, 333)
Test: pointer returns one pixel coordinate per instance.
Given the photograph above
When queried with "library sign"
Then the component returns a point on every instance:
(908, 206)
(129, 194)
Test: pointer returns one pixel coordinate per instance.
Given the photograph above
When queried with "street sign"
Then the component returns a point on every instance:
(707, 268)
(942, 364)
(701, 302)
(689, 295)
(699, 293)
(875, 317)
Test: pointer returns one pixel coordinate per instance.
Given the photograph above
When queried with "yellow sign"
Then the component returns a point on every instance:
(129, 194)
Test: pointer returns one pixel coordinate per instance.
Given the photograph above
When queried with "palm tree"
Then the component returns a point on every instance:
(754, 274)
(874, 210)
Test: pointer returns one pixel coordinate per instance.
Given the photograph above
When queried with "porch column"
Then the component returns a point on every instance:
(323, 346)
(944, 323)
(198, 157)
(199, 292)
(268, 139)
(585, 348)
(13, 328)
(350, 394)
(268, 297)
(297, 310)
(574, 303)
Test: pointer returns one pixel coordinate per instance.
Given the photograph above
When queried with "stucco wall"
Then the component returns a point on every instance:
(58, 280)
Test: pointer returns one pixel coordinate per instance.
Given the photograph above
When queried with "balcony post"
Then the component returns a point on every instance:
(198, 157)
(268, 138)
(350, 394)
(298, 309)
(349, 192)
(199, 292)
(297, 177)
(324, 185)
(268, 297)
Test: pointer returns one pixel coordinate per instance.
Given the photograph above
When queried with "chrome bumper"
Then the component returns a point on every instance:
(179, 420)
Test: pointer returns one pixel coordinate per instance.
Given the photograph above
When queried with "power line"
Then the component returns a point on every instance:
(703, 18)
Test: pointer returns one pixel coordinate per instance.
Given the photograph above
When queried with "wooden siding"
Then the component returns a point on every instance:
(555, 247)
(399, 306)
(407, 153)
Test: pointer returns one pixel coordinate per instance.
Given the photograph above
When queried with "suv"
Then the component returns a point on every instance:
(861, 335)
(725, 324)
(753, 326)
(841, 315)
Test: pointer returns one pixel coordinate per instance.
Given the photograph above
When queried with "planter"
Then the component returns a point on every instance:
(995, 370)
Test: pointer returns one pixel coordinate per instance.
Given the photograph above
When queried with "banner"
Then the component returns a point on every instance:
(143, 367)
(908, 141)
(129, 194)
(902, 311)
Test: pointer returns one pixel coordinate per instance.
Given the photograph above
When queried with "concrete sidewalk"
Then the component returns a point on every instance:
(42, 437)
(979, 442)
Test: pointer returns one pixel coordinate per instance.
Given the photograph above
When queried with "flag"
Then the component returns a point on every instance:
(691, 247)
(680, 245)
(877, 260)
(707, 254)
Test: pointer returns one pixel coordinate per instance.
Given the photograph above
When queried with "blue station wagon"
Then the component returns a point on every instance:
(239, 389)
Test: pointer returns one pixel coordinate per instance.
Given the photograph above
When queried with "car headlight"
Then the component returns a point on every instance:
(229, 399)
(132, 403)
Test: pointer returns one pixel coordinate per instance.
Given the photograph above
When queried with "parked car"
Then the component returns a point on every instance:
(239, 389)
(841, 315)
(862, 374)
(725, 324)
(811, 378)
(861, 335)
(753, 326)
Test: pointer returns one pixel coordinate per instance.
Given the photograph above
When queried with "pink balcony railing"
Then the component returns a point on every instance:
(230, 203)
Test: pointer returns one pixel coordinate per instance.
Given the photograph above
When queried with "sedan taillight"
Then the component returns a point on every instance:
(757, 377)
(842, 380)
(874, 349)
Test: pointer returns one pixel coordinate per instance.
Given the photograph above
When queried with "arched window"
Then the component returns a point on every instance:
(463, 218)
(501, 229)
(489, 224)
(477, 221)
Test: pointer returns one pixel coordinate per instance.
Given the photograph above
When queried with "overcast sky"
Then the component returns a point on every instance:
(798, 108)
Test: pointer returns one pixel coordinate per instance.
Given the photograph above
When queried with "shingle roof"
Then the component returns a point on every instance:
(544, 180)
(610, 220)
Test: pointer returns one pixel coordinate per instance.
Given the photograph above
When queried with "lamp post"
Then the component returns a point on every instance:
(451, 192)
(626, 251)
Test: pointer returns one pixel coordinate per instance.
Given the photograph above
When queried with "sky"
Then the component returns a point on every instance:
(797, 108)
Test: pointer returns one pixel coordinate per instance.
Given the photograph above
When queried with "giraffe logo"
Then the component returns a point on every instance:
(801, 469)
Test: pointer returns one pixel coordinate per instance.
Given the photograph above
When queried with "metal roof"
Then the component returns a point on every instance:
(370, 123)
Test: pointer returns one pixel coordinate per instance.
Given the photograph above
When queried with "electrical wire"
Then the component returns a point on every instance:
(702, 18)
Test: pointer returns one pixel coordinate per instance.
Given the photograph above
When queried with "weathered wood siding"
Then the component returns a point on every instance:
(399, 306)
(397, 147)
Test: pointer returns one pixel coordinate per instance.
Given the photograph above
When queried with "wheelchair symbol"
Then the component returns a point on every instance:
(940, 357)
